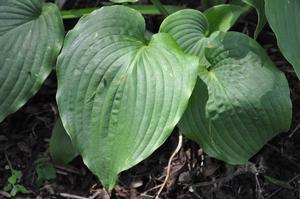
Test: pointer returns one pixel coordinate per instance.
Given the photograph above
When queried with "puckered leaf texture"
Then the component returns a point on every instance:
(241, 100)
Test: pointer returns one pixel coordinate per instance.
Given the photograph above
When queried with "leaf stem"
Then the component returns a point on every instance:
(160, 7)
(143, 9)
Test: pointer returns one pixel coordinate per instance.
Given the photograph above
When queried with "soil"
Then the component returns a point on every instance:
(24, 139)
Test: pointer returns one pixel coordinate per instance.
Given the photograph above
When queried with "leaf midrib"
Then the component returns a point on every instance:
(28, 23)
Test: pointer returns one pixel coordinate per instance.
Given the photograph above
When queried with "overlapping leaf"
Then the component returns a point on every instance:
(120, 98)
(223, 17)
(189, 28)
(61, 148)
(240, 101)
(259, 6)
(284, 19)
(31, 34)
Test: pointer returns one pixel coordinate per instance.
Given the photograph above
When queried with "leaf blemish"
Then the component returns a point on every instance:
(209, 46)
(121, 79)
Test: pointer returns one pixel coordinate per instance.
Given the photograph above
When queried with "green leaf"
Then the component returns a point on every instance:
(14, 191)
(12, 179)
(61, 148)
(7, 187)
(189, 28)
(223, 17)
(18, 174)
(15, 177)
(120, 98)
(241, 100)
(259, 5)
(160, 7)
(245, 104)
(31, 35)
(283, 17)
(279, 183)
(18, 189)
(44, 170)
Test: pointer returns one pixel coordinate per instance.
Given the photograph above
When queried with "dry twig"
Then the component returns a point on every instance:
(5, 194)
(294, 131)
(169, 166)
(67, 195)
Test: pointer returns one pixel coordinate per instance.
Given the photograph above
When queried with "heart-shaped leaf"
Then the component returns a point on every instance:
(189, 28)
(283, 17)
(120, 98)
(241, 99)
(31, 35)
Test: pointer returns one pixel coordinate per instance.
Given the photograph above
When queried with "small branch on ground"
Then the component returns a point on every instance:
(169, 166)
(71, 196)
(294, 131)
(5, 194)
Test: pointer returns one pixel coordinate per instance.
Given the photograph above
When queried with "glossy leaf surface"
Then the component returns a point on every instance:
(31, 35)
(284, 19)
(241, 100)
(189, 28)
(119, 97)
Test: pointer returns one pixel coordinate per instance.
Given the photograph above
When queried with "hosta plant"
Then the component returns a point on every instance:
(241, 99)
(31, 35)
(121, 94)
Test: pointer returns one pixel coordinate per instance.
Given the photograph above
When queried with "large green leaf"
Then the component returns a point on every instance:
(120, 98)
(240, 100)
(259, 6)
(284, 19)
(223, 17)
(61, 148)
(31, 35)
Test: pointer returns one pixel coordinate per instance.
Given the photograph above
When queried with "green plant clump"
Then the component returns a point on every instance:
(120, 95)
